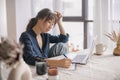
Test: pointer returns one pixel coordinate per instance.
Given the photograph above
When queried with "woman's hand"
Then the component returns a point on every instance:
(65, 62)
(59, 63)
(59, 15)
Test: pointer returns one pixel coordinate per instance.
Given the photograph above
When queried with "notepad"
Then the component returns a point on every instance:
(72, 67)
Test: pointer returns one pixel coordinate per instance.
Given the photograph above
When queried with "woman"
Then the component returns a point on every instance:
(36, 40)
(11, 54)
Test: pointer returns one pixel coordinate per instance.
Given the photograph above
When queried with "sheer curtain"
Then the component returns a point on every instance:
(106, 19)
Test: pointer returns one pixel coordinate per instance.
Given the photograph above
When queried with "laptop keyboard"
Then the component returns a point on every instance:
(79, 58)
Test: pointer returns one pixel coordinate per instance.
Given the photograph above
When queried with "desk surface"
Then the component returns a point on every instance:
(104, 67)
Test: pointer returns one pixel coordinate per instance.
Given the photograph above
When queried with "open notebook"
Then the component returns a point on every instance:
(82, 57)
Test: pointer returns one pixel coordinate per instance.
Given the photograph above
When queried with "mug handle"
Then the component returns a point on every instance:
(105, 47)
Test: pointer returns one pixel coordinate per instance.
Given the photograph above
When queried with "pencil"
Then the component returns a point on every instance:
(65, 56)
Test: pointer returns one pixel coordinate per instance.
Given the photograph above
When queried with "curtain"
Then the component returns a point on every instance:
(106, 19)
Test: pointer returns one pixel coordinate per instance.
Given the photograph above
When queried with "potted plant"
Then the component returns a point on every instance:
(115, 38)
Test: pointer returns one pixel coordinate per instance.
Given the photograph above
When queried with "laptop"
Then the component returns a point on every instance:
(82, 57)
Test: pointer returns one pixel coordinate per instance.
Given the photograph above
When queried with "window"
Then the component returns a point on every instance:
(77, 19)
(72, 17)
(72, 8)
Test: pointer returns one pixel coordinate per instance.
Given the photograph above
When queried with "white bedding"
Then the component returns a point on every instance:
(105, 67)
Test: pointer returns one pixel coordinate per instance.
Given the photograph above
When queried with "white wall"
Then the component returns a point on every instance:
(14, 16)
(3, 26)
(23, 14)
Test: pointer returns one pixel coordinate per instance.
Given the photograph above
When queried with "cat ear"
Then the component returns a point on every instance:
(3, 39)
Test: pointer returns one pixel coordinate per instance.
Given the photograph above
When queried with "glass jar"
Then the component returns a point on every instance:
(53, 73)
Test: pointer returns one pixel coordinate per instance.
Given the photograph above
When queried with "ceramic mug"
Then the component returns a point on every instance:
(41, 68)
(100, 48)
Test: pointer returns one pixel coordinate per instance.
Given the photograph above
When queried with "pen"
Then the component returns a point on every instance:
(65, 55)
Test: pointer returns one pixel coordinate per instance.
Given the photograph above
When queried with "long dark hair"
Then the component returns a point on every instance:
(44, 13)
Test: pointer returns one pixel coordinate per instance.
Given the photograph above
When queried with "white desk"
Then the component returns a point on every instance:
(104, 67)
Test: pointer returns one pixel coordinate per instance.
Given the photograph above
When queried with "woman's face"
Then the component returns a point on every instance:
(47, 25)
